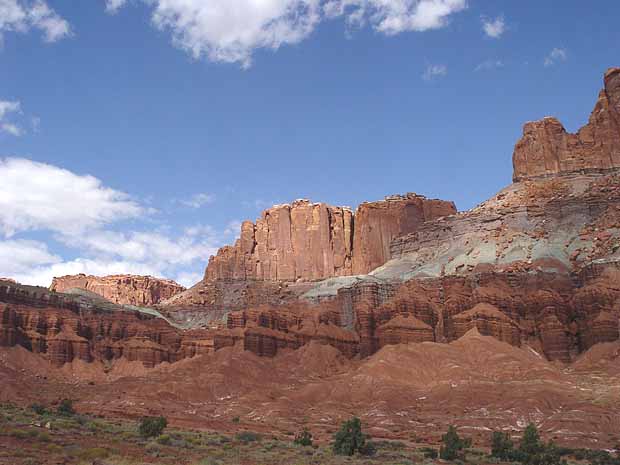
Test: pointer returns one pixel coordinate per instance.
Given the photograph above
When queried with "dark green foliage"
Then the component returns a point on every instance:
(429, 452)
(66, 407)
(452, 445)
(530, 442)
(502, 446)
(532, 450)
(38, 409)
(236, 420)
(303, 438)
(248, 436)
(152, 426)
(350, 439)
(596, 457)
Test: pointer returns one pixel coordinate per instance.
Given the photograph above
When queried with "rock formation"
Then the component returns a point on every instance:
(121, 289)
(377, 223)
(546, 148)
(312, 241)
(303, 240)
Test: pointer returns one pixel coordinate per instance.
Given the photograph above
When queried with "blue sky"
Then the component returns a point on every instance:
(192, 115)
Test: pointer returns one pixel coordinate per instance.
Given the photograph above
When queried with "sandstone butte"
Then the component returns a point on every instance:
(462, 308)
(312, 241)
(121, 289)
(546, 149)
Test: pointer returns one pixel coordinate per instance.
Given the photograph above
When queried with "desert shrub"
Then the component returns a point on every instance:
(236, 420)
(93, 453)
(248, 436)
(452, 444)
(303, 438)
(429, 452)
(65, 407)
(152, 426)
(350, 439)
(38, 409)
(164, 439)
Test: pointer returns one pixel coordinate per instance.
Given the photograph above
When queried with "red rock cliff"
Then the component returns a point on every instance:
(121, 289)
(547, 149)
(377, 223)
(303, 240)
(309, 241)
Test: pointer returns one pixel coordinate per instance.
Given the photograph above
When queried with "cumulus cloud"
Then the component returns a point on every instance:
(78, 212)
(199, 200)
(19, 256)
(434, 71)
(494, 28)
(231, 30)
(7, 108)
(40, 196)
(556, 55)
(22, 16)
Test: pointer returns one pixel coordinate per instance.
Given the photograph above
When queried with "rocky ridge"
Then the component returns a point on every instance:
(307, 241)
(121, 289)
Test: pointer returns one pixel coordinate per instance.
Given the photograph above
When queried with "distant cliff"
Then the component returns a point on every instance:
(310, 241)
(121, 289)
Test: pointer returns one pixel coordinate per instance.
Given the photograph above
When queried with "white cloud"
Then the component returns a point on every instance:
(233, 228)
(199, 200)
(188, 278)
(39, 196)
(556, 55)
(42, 274)
(433, 71)
(19, 256)
(231, 30)
(494, 28)
(112, 6)
(489, 65)
(156, 249)
(76, 210)
(12, 129)
(6, 108)
(22, 16)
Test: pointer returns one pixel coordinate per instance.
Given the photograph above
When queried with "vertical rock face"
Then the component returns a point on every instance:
(121, 289)
(377, 223)
(303, 240)
(310, 241)
(547, 149)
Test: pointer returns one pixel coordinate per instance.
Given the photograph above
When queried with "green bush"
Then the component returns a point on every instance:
(236, 420)
(452, 445)
(152, 426)
(38, 409)
(164, 439)
(248, 436)
(66, 407)
(350, 439)
(303, 438)
(429, 452)
(502, 446)
(530, 443)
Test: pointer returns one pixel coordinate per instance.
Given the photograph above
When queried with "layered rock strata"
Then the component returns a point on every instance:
(311, 241)
(121, 289)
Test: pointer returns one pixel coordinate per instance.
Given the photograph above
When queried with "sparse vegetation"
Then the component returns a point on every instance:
(152, 426)
(350, 439)
(303, 438)
(452, 445)
(66, 407)
(99, 440)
